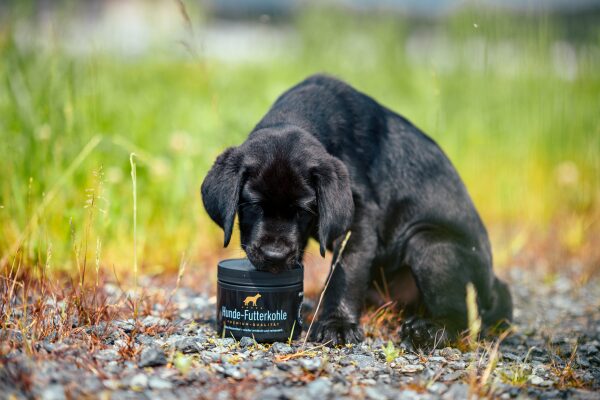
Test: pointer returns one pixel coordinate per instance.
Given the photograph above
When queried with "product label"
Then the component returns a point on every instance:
(265, 316)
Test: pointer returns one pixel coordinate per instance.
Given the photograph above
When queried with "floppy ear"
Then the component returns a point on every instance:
(221, 190)
(334, 199)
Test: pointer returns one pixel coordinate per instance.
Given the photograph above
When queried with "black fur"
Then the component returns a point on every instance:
(327, 158)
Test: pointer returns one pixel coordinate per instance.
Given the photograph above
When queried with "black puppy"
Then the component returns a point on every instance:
(327, 159)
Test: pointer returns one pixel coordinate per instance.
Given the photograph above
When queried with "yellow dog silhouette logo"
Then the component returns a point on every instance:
(252, 299)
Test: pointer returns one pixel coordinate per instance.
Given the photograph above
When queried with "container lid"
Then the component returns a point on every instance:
(241, 272)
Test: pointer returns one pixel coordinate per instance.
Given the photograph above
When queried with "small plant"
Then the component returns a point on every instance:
(481, 384)
(567, 375)
(182, 362)
(390, 351)
(519, 373)
(291, 334)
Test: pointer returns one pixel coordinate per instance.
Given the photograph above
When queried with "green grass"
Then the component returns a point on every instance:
(507, 120)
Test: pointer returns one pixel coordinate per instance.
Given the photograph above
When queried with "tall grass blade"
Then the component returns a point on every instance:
(135, 260)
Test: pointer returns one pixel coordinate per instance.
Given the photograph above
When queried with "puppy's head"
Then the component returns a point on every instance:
(283, 186)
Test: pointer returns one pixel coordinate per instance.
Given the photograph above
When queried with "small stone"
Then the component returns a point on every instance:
(589, 349)
(221, 349)
(511, 357)
(152, 357)
(246, 341)
(539, 381)
(270, 393)
(157, 383)
(189, 344)
(112, 384)
(173, 339)
(430, 373)
(536, 351)
(373, 393)
(587, 377)
(310, 364)
(337, 377)
(225, 342)
(210, 357)
(282, 348)
(200, 376)
(113, 367)
(362, 361)
(410, 368)
(48, 346)
(578, 394)
(436, 359)
(11, 335)
(457, 365)
(456, 391)
(217, 368)
(583, 362)
(452, 376)
(151, 320)
(53, 392)
(451, 354)
(138, 382)
(319, 388)
(127, 325)
(408, 395)
(260, 363)
(399, 361)
(233, 372)
(437, 388)
(145, 340)
(107, 355)
(284, 366)
(536, 380)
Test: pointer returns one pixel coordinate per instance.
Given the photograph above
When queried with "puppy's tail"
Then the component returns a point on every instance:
(499, 315)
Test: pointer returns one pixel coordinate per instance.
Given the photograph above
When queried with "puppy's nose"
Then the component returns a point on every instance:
(274, 254)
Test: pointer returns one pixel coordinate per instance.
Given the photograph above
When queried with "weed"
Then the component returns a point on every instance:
(182, 362)
(567, 373)
(390, 351)
(518, 373)
(289, 341)
(480, 383)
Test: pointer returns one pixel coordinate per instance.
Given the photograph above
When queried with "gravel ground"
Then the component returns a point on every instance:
(554, 354)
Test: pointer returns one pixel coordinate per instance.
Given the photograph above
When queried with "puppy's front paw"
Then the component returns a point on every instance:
(423, 333)
(336, 332)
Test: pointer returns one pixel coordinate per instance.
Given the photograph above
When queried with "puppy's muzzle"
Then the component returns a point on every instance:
(272, 258)
(275, 255)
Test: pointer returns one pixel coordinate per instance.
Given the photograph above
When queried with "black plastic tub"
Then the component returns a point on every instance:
(258, 304)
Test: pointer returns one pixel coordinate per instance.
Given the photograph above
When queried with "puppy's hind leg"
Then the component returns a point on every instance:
(442, 270)
(499, 314)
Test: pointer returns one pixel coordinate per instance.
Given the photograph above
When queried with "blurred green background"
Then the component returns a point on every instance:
(511, 94)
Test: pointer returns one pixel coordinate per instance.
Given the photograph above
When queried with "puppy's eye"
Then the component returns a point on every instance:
(250, 207)
(302, 212)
